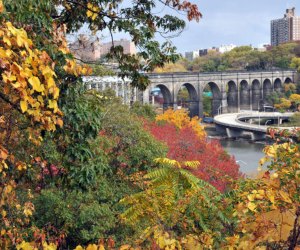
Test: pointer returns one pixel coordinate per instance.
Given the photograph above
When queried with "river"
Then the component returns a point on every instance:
(246, 152)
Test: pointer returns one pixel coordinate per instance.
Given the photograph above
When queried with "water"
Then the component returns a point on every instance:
(246, 152)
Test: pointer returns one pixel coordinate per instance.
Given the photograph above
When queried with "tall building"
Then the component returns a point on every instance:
(91, 48)
(85, 48)
(285, 29)
(191, 55)
(128, 46)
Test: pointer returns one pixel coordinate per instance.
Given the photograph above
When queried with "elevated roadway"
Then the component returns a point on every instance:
(237, 124)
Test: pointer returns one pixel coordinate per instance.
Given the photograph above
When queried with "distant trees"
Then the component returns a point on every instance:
(243, 58)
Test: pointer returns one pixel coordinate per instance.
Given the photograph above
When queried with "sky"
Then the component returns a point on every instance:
(239, 22)
(224, 22)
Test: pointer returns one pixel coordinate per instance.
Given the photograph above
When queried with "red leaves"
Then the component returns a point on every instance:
(192, 10)
(216, 166)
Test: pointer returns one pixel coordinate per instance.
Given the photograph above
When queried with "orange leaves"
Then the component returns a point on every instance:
(191, 9)
(3, 157)
(1, 6)
(74, 69)
(180, 119)
(3, 153)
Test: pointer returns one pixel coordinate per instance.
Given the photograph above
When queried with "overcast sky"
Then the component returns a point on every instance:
(239, 22)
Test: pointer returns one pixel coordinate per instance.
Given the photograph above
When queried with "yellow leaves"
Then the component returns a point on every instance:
(295, 98)
(251, 206)
(50, 246)
(3, 213)
(79, 248)
(251, 197)
(53, 105)
(125, 247)
(262, 161)
(271, 195)
(28, 209)
(7, 41)
(233, 240)
(36, 84)
(26, 246)
(92, 11)
(92, 247)
(285, 196)
(24, 106)
(271, 150)
(174, 163)
(31, 246)
(29, 78)
(50, 82)
(180, 119)
(192, 164)
(72, 68)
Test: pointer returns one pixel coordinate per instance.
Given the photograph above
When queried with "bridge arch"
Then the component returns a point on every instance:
(216, 97)
(278, 85)
(267, 89)
(167, 96)
(288, 80)
(244, 95)
(256, 94)
(232, 96)
(190, 101)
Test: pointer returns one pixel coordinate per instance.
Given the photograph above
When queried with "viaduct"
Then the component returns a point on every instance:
(231, 91)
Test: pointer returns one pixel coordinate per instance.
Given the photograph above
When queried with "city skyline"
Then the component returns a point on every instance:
(232, 22)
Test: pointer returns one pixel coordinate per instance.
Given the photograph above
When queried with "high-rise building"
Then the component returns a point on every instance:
(285, 29)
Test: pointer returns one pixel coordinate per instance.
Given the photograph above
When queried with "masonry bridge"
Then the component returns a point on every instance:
(231, 91)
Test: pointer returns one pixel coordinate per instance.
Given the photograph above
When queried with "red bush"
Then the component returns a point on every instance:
(216, 166)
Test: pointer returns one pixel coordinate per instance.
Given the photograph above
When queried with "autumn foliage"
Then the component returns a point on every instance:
(186, 140)
(79, 170)
(180, 119)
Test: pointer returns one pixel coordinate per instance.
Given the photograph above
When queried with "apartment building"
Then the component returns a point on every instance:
(285, 29)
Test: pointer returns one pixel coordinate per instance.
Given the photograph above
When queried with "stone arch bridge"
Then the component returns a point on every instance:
(231, 91)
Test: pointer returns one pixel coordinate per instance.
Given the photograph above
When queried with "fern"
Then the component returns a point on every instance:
(173, 193)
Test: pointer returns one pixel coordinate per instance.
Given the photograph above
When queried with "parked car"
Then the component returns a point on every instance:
(208, 119)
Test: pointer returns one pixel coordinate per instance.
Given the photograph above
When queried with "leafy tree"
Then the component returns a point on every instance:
(138, 21)
(172, 210)
(99, 70)
(171, 67)
(207, 105)
(268, 207)
(183, 95)
(40, 83)
(180, 119)
(216, 166)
